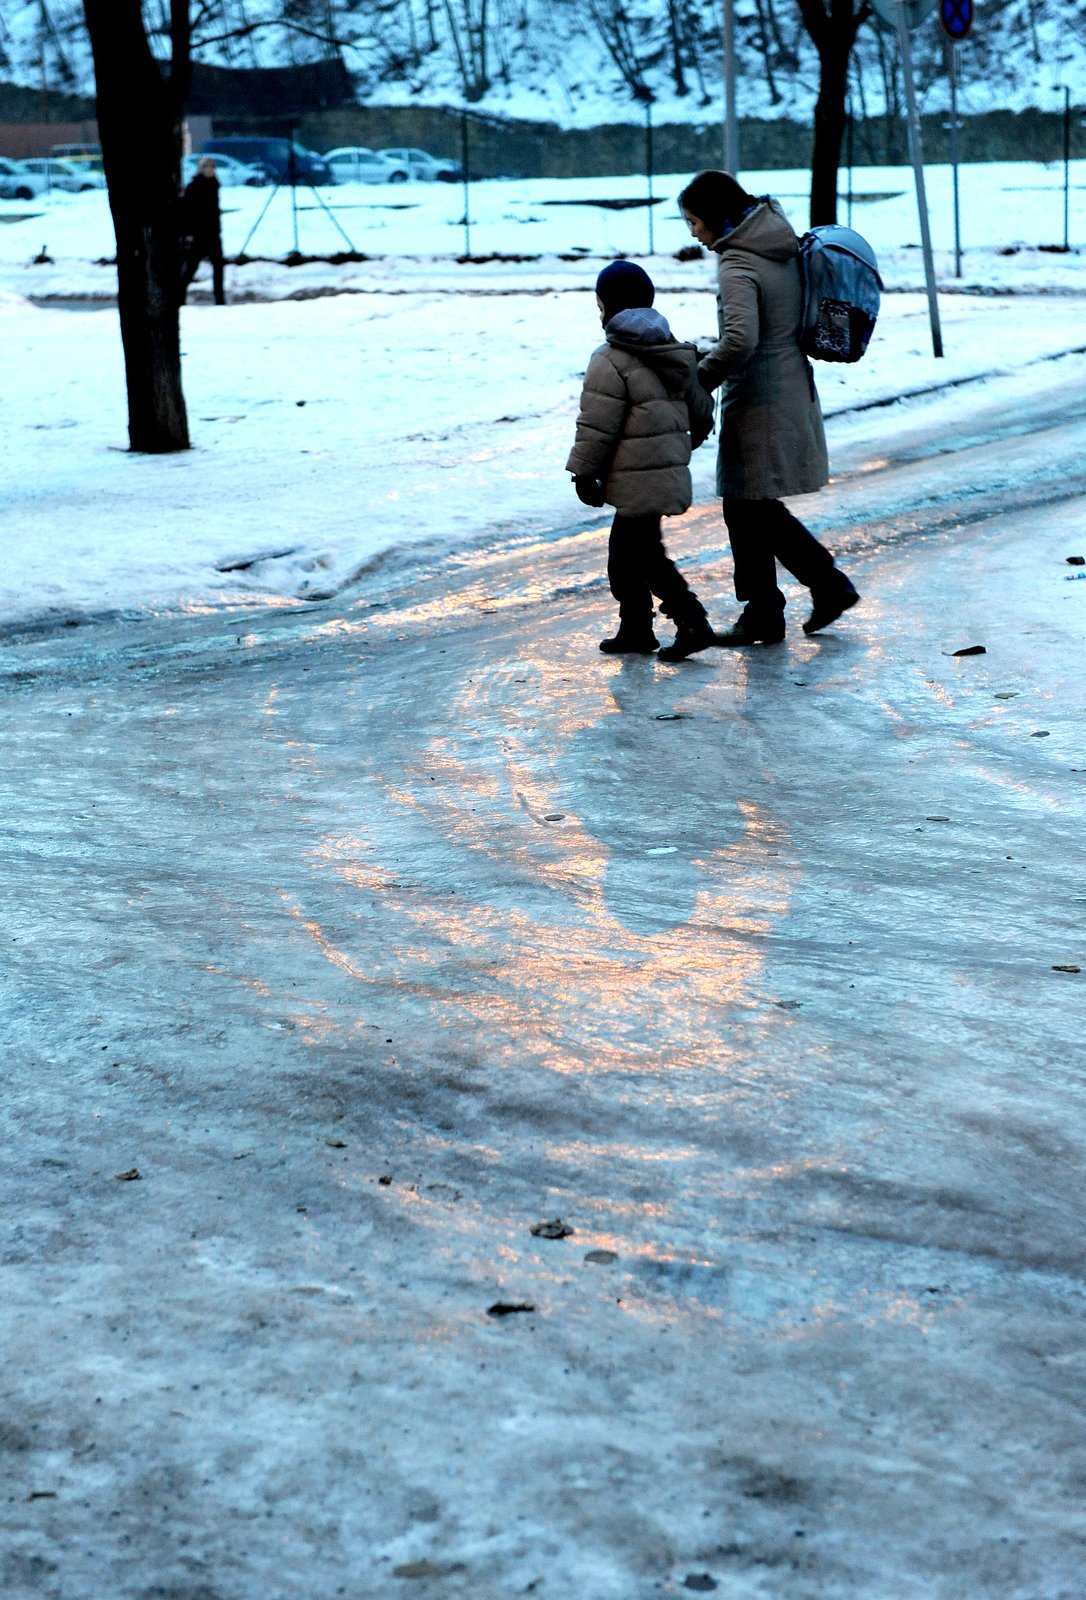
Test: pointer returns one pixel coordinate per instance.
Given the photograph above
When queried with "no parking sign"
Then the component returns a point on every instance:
(957, 18)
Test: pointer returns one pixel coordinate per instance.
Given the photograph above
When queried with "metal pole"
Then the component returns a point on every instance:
(467, 182)
(1067, 169)
(333, 219)
(731, 122)
(648, 164)
(292, 174)
(952, 66)
(916, 152)
(260, 219)
(849, 126)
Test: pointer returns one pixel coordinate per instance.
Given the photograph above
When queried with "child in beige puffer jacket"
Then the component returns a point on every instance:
(642, 412)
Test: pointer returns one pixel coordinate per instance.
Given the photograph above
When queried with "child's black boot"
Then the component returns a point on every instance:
(693, 632)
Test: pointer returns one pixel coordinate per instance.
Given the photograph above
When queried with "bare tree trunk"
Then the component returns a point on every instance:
(461, 59)
(830, 119)
(786, 55)
(481, 43)
(470, 42)
(139, 122)
(615, 32)
(675, 39)
(832, 25)
(893, 146)
(860, 125)
(767, 53)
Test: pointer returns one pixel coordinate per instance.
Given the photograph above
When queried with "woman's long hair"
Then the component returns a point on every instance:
(717, 199)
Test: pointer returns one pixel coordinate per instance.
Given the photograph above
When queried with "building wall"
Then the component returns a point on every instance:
(21, 139)
(539, 150)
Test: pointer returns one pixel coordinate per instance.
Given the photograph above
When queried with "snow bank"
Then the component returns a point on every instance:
(330, 432)
(413, 400)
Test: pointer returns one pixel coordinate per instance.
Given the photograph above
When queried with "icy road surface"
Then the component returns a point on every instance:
(371, 935)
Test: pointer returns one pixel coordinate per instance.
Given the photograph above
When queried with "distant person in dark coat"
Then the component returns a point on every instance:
(201, 230)
(771, 439)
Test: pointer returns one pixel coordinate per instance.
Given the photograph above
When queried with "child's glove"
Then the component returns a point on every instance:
(589, 490)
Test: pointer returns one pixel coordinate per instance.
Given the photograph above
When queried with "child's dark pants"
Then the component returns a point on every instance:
(639, 567)
(763, 532)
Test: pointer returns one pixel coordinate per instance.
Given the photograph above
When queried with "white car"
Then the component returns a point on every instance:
(229, 172)
(422, 166)
(18, 182)
(75, 176)
(357, 164)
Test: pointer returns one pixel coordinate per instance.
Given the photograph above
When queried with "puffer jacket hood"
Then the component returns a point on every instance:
(637, 326)
(766, 232)
(647, 335)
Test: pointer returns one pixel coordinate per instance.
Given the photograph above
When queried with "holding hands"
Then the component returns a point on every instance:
(589, 490)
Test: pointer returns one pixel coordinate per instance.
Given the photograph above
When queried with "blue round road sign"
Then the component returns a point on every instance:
(957, 18)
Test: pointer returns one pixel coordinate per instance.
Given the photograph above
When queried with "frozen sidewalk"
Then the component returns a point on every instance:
(371, 934)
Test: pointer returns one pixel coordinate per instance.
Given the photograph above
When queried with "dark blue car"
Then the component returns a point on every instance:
(274, 155)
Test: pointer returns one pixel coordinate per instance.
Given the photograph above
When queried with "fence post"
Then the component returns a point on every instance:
(467, 182)
(952, 66)
(648, 166)
(731, 115)
(1066, 169)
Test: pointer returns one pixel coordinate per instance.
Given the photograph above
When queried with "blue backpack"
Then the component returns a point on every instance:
(841, 290)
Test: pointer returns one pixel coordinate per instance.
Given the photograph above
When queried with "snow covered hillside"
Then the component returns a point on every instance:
(582, 62)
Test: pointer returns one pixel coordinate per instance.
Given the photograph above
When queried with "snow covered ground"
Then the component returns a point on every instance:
(433, 405)
(1004, 205)
(344, 945)
(347, 941)
(332, 431)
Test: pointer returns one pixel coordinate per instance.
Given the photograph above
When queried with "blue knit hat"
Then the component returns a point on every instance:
(624, 284)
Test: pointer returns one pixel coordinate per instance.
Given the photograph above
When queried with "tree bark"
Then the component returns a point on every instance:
(675, 31)
(140, 109)
(832, 26)
(830, 120)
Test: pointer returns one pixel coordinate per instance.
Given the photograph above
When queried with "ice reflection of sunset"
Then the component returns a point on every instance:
(518, 890)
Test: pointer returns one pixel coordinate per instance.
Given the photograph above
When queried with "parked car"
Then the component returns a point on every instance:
(422, 166)
(229, 172)
(357, 164)
(60, 173)
(274, 155)
(18, 182)
(84, 155)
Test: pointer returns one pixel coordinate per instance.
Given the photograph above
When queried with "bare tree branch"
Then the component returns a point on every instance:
(250, 28)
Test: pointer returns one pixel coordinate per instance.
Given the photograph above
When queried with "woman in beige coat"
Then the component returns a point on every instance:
(772, 441)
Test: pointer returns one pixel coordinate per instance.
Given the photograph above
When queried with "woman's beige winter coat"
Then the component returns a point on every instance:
(633, 430)
(772, 441)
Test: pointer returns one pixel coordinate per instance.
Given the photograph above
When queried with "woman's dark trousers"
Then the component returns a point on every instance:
(763, 532)
(639, 567)
(203, 250)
